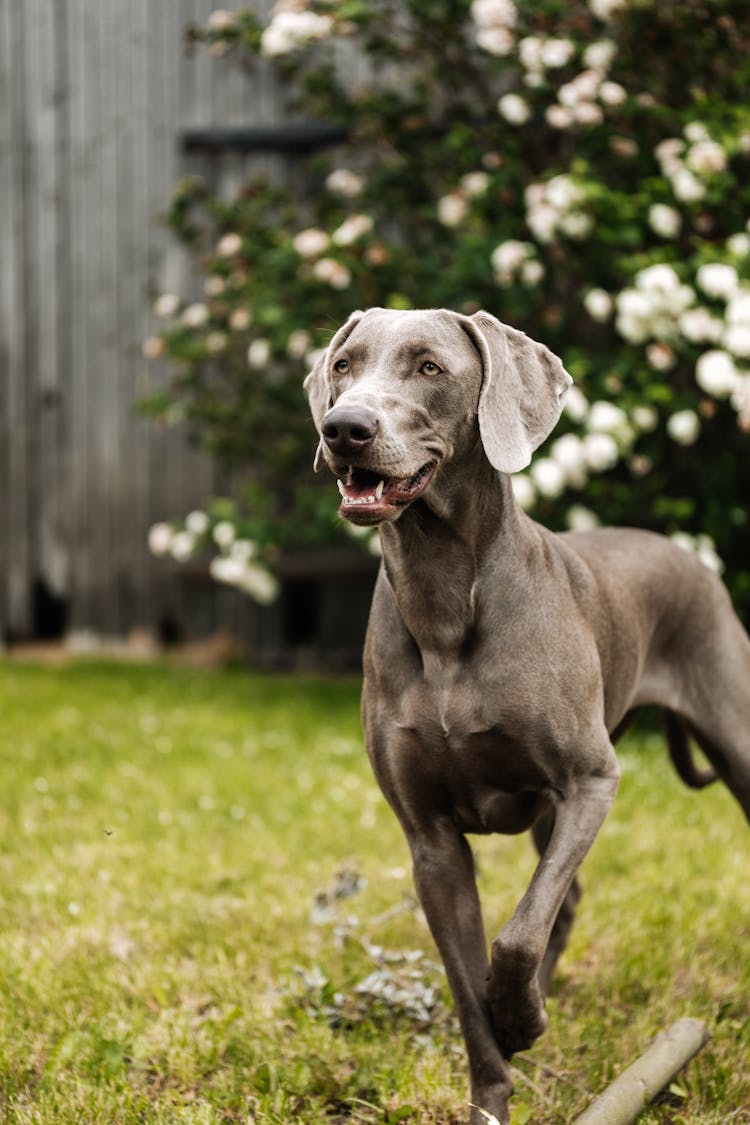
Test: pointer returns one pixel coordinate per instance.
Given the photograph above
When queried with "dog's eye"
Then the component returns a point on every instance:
(430, 368)
(341, 365)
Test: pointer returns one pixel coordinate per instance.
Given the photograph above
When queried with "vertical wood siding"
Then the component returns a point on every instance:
(94, 97)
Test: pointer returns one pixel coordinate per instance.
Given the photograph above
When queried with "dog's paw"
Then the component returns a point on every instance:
(516, 1009)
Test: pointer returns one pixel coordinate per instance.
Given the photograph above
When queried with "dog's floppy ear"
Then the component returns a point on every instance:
(523, 391)
(318, 381)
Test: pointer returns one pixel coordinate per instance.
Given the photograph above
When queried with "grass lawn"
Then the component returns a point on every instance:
(206, 915)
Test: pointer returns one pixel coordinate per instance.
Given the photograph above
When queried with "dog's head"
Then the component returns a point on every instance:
(398, 394)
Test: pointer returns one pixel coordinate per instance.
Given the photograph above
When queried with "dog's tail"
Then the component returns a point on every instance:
(681, 753)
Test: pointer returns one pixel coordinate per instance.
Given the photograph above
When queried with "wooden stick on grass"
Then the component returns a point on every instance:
(623, 1100)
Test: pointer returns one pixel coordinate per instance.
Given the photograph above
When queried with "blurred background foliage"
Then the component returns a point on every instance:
(581, 170)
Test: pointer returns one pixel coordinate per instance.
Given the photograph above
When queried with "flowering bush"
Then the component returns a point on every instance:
(582, 171)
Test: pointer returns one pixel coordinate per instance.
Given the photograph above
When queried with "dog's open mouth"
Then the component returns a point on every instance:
(368, 497)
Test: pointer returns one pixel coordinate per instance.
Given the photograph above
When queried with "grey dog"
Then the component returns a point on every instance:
(502, 661)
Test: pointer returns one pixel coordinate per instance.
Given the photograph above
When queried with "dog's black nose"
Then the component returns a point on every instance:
(349, 429)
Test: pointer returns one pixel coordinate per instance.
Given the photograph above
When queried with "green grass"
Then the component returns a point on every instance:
(163, 835)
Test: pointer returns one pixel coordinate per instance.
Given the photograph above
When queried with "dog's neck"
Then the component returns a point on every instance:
(435, 554)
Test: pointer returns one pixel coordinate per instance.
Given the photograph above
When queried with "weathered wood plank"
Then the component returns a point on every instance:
(45, 76)
(17, 523)
(93, 101)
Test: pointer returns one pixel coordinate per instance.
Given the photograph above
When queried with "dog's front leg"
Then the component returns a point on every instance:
(446, 885)
(515, 995)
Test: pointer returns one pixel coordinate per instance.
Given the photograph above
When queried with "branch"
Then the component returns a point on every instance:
(623, 1100)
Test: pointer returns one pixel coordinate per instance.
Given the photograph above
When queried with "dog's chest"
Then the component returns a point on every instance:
(472, 743)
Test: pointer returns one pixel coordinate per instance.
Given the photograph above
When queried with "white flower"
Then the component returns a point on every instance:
(214, 285)
(606, 9)
(226, 569)
(260, 584)
(579, 518)
(660, 356)
(492, 13)
(741, 402)
(739, 244)
(706, 157)
(645, 418)
(153, 347)
(586, 113)
(160, 539)
(686, 186)
(660, 278)
(291, 29)
(530, 52)
(736, 340)
(166, 305)
(556, 52)
(182, 545)
(298, 343)
(634, 311)
(240, 319)
(311, 242)
(344, 182)
(523, 490)
(494, 20)
(664, 220)
(351, 229)
(475, 183)
(698, 326)
(612, 93)
(569, 454)
(333, 273)
(653, 309)
(224, 534)
(708, 554)
(229, 244)
(216, 342)
(738, 307)
(194, 316)
(717, 279)
(668, 153)
(452, 209)
(555, 206)
(598, 304)
(242, 550)
(221, 20)
(559, 117)
(579, 90)
(563, 193)
(684, 427)
(599, 55)
(695, 131)
(548, 477)
(701, 545)
(495, 40)
(576, 225)
(601, 451)
(715, 373)
(576, 404)
(531, 272)
(259, 352)
(508, 257)
(514, 109)
(606, 418)
(197, 523)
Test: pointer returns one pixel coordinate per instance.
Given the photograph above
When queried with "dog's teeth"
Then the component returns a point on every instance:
(341, 488)
(379, 490)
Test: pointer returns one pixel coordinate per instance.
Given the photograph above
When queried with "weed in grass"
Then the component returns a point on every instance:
(176, 944)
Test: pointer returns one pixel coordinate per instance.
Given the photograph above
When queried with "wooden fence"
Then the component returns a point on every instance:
(96, 97)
